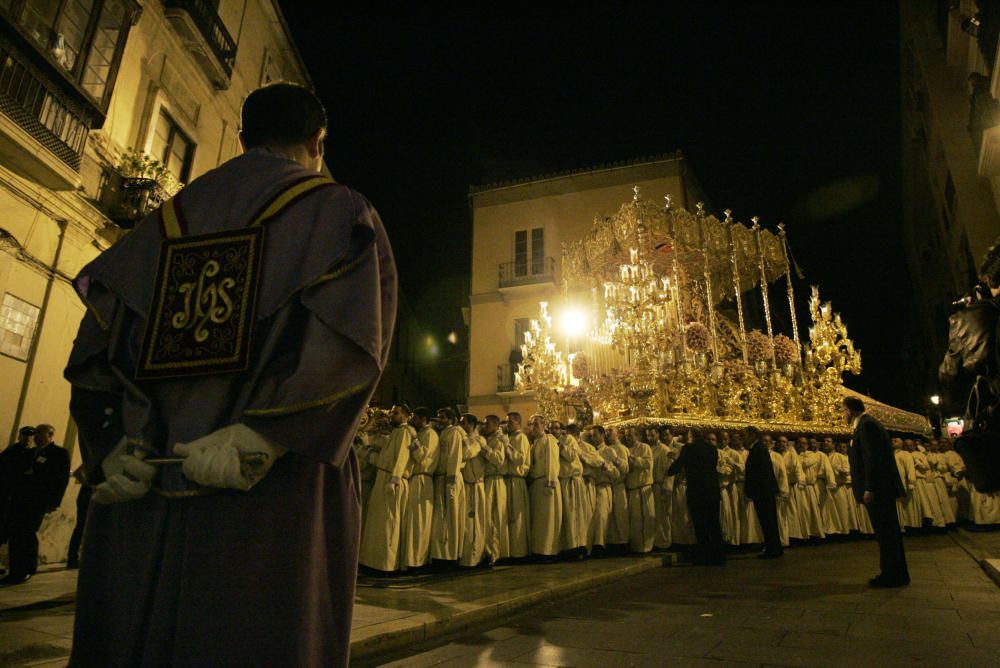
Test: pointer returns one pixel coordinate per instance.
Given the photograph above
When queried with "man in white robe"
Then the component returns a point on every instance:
(618, 527)
(663, 489)
(843, 496)
(448, 527)
(639, 483)
(810, 467)
(781, 475)
(826, 484)
(573, 533)
(730, 466)
(515, 468)
(798, 506)
(380, 540)
(911, 515)
(419, 515)
(933, 512)
(495, 453)
(544, 491)
(943, 480)
(959, 485)
(592, 463)
(605, 476)
(474, 475)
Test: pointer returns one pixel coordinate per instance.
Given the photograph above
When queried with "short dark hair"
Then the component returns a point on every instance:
(470, 418)
(447, 413)
(599, 429)
(403, 407)
(26, 430)
(281, 114)
(492, 418)
(422, 412)
(515, 416)
(752, 432)
(854, 404)
(573, 428)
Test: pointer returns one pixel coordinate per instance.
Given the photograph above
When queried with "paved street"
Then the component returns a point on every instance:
(810, 609)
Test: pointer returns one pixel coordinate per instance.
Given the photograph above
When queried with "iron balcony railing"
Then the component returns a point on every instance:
(525, 273)
(205, 16)
(35, 102)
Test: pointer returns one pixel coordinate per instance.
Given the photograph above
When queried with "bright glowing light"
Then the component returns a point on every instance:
(573, 322)
(935, 400)
(453, 338)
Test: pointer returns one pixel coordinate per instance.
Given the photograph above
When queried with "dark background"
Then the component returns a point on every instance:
(786, 111)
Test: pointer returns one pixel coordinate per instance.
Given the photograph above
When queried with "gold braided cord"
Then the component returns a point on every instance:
(307, 405)
(290, 195)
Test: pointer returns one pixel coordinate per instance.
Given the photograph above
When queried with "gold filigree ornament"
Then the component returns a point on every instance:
(670, 342)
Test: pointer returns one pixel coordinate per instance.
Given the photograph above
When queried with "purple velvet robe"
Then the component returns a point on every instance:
(264, 577)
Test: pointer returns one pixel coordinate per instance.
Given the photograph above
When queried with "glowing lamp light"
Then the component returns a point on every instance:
(453, 338)
(574, 322)
(936, 400)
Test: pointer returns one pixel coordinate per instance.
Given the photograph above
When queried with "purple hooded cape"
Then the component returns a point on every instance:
(187, 576)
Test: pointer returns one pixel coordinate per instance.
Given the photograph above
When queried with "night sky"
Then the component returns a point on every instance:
(789, 111)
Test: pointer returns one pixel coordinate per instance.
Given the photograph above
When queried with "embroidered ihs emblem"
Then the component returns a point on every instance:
(203, 307)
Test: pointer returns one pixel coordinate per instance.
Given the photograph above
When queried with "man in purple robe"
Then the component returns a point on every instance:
(232, 342)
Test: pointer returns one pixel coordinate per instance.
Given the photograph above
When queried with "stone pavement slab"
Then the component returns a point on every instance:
(811, 608)
(36, 618)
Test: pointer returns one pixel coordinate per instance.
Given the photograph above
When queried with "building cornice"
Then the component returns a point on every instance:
(558, 183)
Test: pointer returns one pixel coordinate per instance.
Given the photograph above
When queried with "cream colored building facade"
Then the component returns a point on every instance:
(518, 230)
(82, 81)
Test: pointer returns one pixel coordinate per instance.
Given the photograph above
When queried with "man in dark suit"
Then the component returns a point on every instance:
(762, 488)
(875, 481)
(38, 489)
(698, 460)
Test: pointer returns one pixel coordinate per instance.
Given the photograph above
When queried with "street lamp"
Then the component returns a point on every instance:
(936, 400)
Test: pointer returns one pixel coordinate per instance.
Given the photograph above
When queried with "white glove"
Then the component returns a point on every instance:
(126, 477)
(234, 457)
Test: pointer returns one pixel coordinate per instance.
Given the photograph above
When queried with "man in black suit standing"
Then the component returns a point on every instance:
(698, 460)
(38, 489)
(762, 488)
(875, 481)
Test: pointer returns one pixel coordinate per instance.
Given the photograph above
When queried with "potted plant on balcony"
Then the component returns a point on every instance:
(139, 184)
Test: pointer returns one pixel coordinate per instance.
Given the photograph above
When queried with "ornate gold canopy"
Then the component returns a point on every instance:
(660, 351)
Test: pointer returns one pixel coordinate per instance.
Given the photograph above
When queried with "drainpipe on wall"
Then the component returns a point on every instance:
(33, 349)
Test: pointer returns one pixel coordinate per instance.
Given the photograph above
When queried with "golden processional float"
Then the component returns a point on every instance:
(654, 332)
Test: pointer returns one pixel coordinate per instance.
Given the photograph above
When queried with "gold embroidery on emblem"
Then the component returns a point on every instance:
(206, 294)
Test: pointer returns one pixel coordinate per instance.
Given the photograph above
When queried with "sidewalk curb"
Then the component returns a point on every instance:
(393, 635)
(988, 562)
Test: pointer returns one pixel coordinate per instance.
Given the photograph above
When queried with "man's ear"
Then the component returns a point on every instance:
(314, 145)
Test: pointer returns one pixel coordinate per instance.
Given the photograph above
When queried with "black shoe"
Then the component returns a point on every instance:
(15, 579)
(882, 582)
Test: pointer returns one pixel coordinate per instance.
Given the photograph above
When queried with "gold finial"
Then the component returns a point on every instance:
(781, 228)
(635, 193)
(701, 208)
(667, 202)
(756, 222)
(729, 215)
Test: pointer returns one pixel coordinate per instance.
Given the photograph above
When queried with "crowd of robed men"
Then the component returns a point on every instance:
(447, 487)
